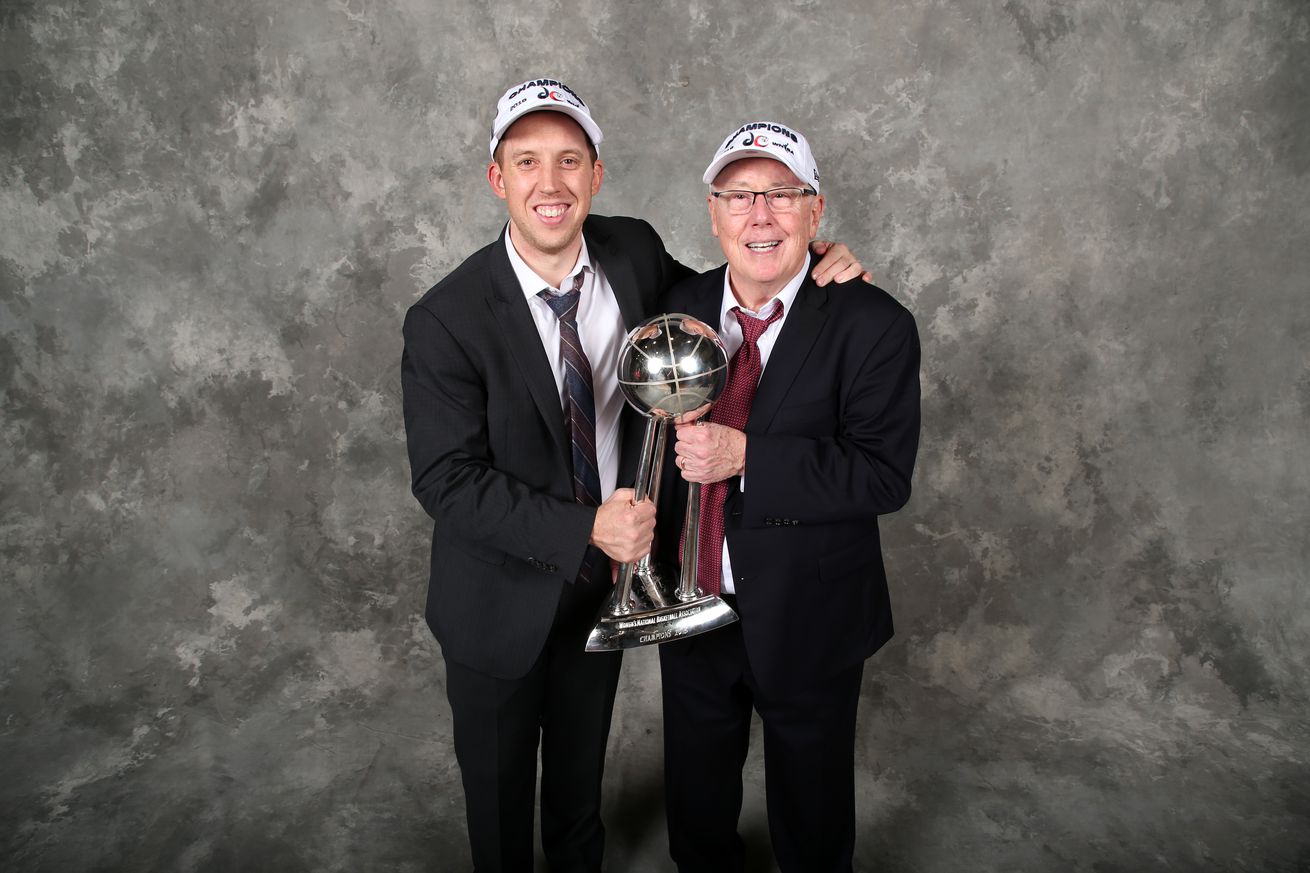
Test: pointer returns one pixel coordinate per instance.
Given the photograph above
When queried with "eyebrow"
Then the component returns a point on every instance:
(532, 153)
(738, 185)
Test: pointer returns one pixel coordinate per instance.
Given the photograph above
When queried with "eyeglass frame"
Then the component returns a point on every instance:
(805, 190)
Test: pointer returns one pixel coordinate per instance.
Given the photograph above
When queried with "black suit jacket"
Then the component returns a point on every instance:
(489, 448)
(831, 442)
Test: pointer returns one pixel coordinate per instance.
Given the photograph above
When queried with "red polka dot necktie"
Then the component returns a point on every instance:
(732, 409)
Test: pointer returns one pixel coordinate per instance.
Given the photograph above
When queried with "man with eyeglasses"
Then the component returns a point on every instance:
(814, 437)
(512, 421)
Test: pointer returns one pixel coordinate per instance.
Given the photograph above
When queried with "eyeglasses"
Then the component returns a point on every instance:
(777, 199)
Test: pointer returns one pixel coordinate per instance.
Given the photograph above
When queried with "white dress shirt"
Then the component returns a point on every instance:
(601, 330)
(730, 333)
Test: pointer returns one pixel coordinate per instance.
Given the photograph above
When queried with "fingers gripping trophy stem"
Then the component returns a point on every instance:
(648, 472)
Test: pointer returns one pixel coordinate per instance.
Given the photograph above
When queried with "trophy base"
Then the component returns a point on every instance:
(650, 626)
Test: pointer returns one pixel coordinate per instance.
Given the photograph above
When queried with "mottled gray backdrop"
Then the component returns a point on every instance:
(214, 215)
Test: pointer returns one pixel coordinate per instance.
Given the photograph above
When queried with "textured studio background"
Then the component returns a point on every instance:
(215, 214)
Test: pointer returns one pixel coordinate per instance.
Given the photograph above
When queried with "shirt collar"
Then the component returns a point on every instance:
(529, 281)
(787, 295)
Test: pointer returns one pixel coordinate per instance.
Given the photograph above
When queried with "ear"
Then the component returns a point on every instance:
(496, 179)
(714, 216)
(597, 176)
(816, 213)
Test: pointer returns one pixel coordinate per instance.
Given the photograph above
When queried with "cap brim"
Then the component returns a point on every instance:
(717, 165)
(584, 121)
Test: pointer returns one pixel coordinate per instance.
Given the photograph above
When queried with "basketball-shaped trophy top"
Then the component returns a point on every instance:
(672, 366)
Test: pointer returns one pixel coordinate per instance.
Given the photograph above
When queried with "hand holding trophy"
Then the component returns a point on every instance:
(671, 369)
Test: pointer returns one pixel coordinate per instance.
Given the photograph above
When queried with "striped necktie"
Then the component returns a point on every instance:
(579, 401)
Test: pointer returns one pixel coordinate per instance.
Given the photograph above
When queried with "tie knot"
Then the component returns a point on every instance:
(565, 304)
(753, 328)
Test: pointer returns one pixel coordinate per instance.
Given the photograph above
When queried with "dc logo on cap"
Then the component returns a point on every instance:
(763, 142)
(549, 94)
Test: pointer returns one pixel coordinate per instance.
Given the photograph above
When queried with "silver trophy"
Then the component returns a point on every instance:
(671, 369)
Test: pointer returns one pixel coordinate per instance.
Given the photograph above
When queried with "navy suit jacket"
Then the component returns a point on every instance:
(489, 448)
(831, 441)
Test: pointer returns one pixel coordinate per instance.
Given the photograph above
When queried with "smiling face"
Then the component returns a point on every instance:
(546, 176)
(764, 249)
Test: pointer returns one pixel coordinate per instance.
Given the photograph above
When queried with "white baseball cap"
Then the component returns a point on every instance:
(766, 139)
(536, 95)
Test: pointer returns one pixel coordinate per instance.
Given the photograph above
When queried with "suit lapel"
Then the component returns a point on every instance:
(708, 299)
(800, 330)
(514, 320)
(618, 271)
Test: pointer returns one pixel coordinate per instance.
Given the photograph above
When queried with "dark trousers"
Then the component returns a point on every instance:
(564, 705)
(809, 759)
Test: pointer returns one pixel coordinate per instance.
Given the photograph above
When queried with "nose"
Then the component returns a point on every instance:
(549, 178)
(760, 212)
